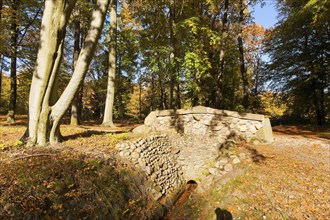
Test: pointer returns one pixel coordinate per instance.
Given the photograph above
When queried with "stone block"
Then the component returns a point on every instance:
(218, 127)
(265, 133)
(242, 156)
(197, 117)
(236, 160)
(249, 116)
(252, 129)
(199, 110)
(135, 155)
(228, 167)
(150, 119)
(213, 171)
(223, 161)
(243, 128)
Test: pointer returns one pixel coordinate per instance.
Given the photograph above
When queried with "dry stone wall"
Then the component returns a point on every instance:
(211, 122)
(158, 159)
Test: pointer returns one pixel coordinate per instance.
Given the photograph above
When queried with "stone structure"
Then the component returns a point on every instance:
(195, 144)
(169, 161)
(211, 122)
(156, 157)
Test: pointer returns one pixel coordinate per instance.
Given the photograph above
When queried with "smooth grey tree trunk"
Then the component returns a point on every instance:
(55, 18)
(174, 55)
(240, 42)
(44, 113)
(109, 102)
(1, 55)
(76, 105)
(1, 63)
(85, 57)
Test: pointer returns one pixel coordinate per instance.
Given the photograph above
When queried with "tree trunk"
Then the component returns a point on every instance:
(76, 105)
(1, 63)
(13, 62)
(173, 56)
(320, 117)
(162, 104)
(178, 97)
(54, 21)
(152, 97)
(108, 110)
(245, 101)
(44, 118)
(256, 75)
(223, 35)
(1, 55)
(140, 98)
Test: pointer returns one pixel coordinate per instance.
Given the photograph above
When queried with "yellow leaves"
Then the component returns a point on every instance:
(58, 207)
(272, 105)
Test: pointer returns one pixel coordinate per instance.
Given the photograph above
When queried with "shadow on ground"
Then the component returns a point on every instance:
(222, 214)
(305, 131)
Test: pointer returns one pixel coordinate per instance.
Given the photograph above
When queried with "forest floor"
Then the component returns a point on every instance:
(288, 179)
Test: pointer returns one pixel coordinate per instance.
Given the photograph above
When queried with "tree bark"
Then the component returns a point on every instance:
(55, 18)
(223, 35)
(108, 110)
(1, 63)
(320, 117)
(162, 103)
(76, 104)
(1, 55)
(140, 98)
(173, 56)
(85, 57)
(13, 62)
(245, 101)
(152, 96)
(44, 117)
(178, 96)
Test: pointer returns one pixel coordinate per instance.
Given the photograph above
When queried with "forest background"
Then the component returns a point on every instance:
(176, 54)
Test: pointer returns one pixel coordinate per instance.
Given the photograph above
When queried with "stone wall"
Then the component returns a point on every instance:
(158, 159)
(211, 122)
(196, 144)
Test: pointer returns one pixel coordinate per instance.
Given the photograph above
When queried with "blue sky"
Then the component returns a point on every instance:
(265, 15)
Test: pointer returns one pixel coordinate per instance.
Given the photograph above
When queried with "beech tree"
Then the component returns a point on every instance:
(15, 4)
(1, 55)
(45, 111)
(76, 108)
(109, 103)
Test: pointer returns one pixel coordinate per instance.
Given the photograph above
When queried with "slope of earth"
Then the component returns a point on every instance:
(288, 179)
(81, 178)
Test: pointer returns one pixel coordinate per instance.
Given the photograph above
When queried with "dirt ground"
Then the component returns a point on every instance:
(288, 179)
(86, 138)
